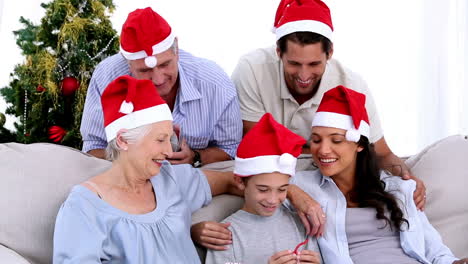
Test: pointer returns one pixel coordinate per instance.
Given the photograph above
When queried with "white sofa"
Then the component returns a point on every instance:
(35, 179)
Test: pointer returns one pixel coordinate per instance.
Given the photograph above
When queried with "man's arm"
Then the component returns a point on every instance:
(247, 125)
(98, 153)
(227, 132)
(222, 182)
(396, 166)
(186, 155)
(92, 121)
(213, 154)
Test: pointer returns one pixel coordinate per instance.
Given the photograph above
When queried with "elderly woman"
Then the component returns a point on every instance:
(371, 216)
(138, 211)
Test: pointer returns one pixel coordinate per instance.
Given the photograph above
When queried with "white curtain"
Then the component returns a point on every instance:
(413, 55)
(444, 90)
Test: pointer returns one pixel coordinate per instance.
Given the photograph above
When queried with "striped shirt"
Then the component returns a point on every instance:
(206, 106)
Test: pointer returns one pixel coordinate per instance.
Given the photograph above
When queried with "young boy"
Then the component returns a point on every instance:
(264, 231)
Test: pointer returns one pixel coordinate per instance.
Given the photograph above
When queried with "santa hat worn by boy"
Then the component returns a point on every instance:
(130, 103)
(303, 16)
(344, 108)
(144, 34)
(268, 147)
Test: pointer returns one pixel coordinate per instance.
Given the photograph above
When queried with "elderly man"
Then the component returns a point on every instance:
(200, 95)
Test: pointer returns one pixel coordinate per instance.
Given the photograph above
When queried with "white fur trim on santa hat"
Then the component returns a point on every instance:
(285, 163)
(138, 118)
(158, 48)
(304, 25)
(330, 119)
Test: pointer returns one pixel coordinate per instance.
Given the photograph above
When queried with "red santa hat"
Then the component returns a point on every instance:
(303, 15)
(268, 147)
(343, 108)
(144, 34)
(130, 103)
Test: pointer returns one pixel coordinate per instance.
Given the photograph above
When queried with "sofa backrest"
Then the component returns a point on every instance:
(443, 166)
(34, 181)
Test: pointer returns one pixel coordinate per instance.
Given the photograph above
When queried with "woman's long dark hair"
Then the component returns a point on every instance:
(369, 190)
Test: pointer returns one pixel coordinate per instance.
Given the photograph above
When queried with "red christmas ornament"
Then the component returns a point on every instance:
(39, 88)
(69, 86)
(56, 133)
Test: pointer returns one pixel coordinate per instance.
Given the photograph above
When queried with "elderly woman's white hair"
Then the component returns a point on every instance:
(131, 136)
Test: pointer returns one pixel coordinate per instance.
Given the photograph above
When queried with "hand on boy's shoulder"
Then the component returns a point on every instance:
(212, 235)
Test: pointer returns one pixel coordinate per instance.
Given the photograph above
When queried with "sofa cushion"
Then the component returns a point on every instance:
(443, 166)
(35, 180)
(11, 257)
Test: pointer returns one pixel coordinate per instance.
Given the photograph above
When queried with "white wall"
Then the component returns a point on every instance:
(391, 44)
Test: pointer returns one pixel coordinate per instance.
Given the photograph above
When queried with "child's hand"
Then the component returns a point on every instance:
(283, 257)
(308, 256)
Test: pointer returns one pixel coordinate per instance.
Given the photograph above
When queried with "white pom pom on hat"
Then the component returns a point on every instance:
(353, 135)
(151, 61)
(126, 107)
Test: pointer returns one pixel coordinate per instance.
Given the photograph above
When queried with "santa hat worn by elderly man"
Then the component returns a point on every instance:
(268, 147)
(125, 108)
(303, 16)
(144, 34)
(344, 108)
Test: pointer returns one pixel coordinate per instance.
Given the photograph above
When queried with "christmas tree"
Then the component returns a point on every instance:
(47, 92)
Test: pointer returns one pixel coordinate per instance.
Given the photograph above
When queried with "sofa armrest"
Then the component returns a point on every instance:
(443, 168)
(9, 256)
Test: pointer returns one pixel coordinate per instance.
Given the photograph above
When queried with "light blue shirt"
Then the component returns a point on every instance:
(206, 107)
(89, 230)
(421, 241)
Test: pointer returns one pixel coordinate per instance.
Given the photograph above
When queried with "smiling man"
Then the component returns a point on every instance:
(289, 80)
(202, 98)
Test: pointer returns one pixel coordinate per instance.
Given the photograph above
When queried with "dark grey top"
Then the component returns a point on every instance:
(370, 240)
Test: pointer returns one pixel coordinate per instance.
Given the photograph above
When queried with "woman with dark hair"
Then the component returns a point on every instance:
(371, 215)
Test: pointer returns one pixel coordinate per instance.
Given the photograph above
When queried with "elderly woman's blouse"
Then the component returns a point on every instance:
(89, 230)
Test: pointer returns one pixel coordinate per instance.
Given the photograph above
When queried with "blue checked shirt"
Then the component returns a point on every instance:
(206, 107)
